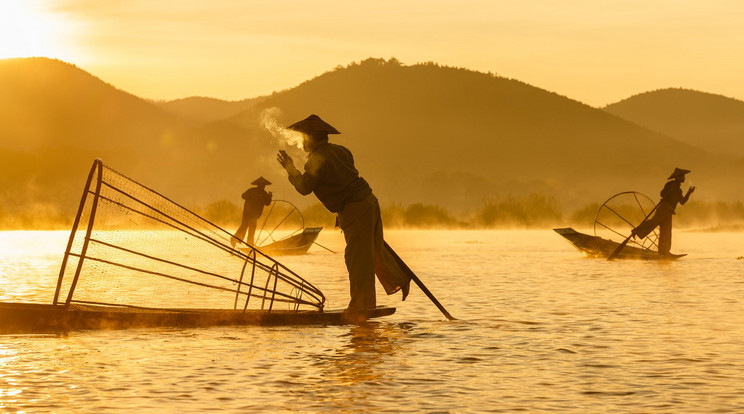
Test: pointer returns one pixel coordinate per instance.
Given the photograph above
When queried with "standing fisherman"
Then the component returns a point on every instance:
(331, 175)
(670, 196)
(255, 200)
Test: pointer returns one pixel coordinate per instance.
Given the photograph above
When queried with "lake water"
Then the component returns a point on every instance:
(540, 329)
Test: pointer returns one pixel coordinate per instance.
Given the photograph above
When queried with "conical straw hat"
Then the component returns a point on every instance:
(678, 172)
(261, 181)
(313, 123)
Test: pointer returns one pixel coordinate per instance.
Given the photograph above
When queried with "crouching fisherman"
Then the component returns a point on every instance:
(331, 175)
(671, 195)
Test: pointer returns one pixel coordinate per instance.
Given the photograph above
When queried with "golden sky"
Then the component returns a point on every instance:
(595, 51)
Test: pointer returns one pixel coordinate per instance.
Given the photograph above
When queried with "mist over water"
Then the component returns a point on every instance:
(540, 329)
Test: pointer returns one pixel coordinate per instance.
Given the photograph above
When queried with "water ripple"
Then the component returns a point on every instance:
(539, 330)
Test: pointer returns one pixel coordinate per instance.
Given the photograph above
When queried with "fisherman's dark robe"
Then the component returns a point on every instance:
(671, 195)
(255, 200)
(330, 174)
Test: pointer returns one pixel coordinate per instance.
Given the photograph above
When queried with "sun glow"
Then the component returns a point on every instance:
(28, 29)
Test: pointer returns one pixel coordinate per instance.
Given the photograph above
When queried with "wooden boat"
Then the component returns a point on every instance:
(593, 246)
(44, 318)
(292, 245)
(135, 258)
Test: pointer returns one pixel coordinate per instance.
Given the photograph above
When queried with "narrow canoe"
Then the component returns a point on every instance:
(293, 245)
(39, 318)
(593, 246)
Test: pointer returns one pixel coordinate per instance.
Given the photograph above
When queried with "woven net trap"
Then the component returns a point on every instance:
(133, 247)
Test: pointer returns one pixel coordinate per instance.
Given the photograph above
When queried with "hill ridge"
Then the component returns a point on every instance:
(420, 133)
(711, 121)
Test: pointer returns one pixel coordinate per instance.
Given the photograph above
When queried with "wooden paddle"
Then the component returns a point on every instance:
(418, 281)
(620, 248)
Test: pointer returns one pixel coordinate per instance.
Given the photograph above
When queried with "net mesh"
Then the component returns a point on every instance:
(131, 246)
(620, 214)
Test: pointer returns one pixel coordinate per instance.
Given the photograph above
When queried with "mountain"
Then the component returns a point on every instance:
(203, 109)
(420, 134)
(705, 120)
(48, 103)
(456, 137)
(49, 108)
(56, 118)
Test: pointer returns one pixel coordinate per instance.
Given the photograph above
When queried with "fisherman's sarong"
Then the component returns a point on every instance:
(366, 254)
(248, 225)
(663, 219)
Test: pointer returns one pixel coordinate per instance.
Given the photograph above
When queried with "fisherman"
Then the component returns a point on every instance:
(330, 174)
(255, 199)
(671, 195)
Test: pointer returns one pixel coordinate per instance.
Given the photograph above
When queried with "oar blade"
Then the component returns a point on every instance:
(618, 249)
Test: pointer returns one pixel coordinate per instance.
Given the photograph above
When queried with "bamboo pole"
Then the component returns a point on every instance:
(418, 281)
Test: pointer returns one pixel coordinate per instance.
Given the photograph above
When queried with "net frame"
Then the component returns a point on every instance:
(265, 234)
(641, 205)
(101, 191)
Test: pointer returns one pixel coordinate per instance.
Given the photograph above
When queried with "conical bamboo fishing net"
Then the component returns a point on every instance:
(130, 246)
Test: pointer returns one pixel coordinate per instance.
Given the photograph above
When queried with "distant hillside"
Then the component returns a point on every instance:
(203, 109)
(454, 136)
(48, 103)
(712, 122)
(56, 118)
(420, 134)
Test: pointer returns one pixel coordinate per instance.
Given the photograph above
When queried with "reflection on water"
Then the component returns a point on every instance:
(29, 264)
(540, 329)
(359, 360)
(8, 390)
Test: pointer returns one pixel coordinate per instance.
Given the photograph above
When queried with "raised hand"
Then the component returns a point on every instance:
(284, 159)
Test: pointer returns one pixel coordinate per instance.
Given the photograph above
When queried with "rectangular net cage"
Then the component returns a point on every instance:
(132, 247)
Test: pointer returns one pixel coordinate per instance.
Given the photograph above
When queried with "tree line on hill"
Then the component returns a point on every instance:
(440, 145)
(534, 211)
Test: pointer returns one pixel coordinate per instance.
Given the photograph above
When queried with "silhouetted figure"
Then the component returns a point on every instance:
(255, 200)
(330, 174)
(671, 195)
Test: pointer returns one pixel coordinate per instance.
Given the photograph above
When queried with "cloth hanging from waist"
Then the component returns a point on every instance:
(392, 276)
